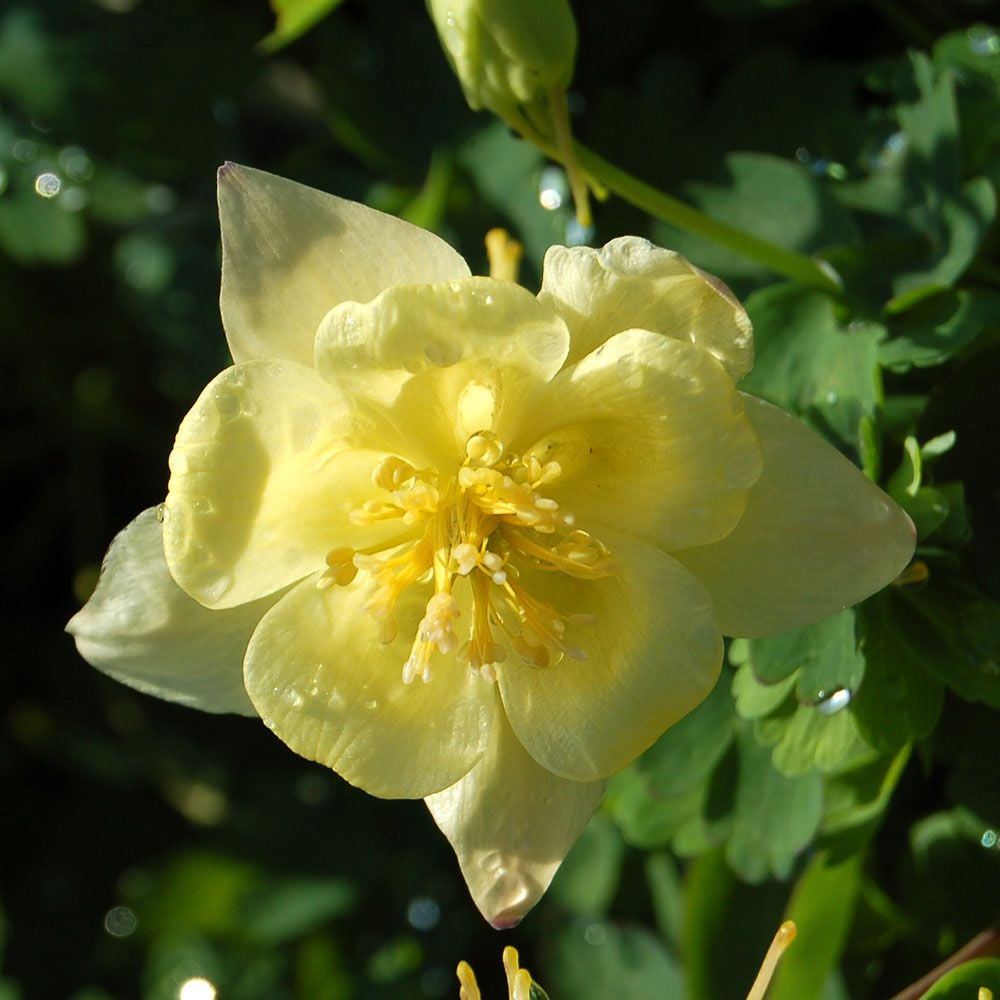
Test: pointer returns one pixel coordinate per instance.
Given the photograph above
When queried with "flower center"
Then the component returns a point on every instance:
(485, 526)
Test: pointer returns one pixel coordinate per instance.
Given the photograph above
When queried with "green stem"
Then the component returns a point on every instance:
(691, 220)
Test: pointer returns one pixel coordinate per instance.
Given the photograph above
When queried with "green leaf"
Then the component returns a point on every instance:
(955, 631)
(757, 698)
(856, 798)
(899, 701)
(775, 816)
(727, 928)
(667, 891)
(594, 960)
(777, 200)
(287, 909)
(965, 981)
(814, 739)
(807, 362)
(825, 654)
(937, 328)
(588, 879)
(822, 904)
(295, 18)
(688, 751)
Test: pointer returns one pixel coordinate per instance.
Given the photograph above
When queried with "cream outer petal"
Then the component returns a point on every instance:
(632, 283)
(511, 823)
(330, 690)
(290, 253)
(817, 536)
(653, 654)
(142, 629)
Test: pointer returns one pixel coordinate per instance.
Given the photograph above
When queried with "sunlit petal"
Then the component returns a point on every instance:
(511, 823)
(265, 470)
(329, 688)
(448, 359)
(651, 437)
(817, 536)
(290, 253)
(653, 653)
(631, 283)
(142, 629)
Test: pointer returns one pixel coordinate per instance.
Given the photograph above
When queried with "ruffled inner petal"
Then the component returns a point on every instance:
(652, 649)
(320, 677)
(631, 283)
(447, 360)
(651, 439)
(265, 470)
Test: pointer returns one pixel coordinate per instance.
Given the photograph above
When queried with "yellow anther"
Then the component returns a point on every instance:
(341, 569)
(392, 472)
(484, 448)
(464, 558)
(437, 627)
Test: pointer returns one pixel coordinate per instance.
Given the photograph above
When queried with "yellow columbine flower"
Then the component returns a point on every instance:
(459, 542)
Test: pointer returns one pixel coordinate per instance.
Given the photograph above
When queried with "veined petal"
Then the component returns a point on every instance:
(653, 653)
(330, 690)
(511, 823)
(265, 470)
(290, 253)
(817, 536)
(142, 629)
(651, 438)
(632, 283)
(449, 359)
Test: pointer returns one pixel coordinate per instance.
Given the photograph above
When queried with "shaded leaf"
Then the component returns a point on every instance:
(295, 18)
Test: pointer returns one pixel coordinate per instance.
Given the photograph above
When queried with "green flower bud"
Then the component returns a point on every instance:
(507, 53)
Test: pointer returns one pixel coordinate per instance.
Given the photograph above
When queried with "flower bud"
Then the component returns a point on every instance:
(507, 53)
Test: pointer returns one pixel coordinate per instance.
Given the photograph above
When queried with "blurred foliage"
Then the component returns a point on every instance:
(845, 774)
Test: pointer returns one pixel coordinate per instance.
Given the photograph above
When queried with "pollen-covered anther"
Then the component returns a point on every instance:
(437, 627)
(483, 449)
(341, 569)
(391, 472)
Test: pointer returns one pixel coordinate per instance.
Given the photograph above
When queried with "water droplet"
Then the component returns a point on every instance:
(832, 397)
(833, 702)
(24, 150)
(76, 163)
(553, 189)
(488, 301)
(73, 199)
(983, 40)
(120, 921)
(577, 235)
(423, 913)
(989, 838)
(292, 697)
(371, 704)
(48, 185)
(595, 935)
(228, 404)
(197, 988)
(161, 512)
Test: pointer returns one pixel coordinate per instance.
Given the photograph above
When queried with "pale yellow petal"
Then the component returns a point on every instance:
(449, 359)
(266, 467)
(142, 629)
(326, 685)
(632, 283)
(511, 823)
(817, 536)
(651, 437)
(290, 253)
(653, 653)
